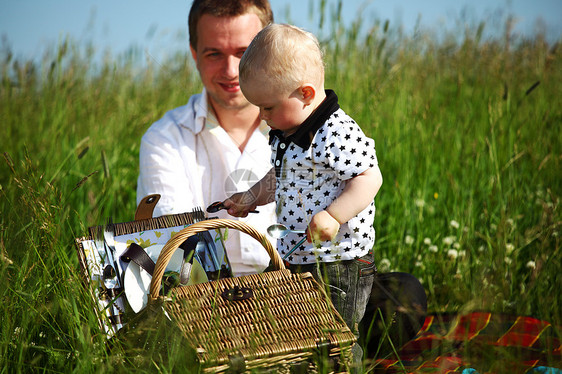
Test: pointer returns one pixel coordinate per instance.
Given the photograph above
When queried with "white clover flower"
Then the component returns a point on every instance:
(508, 260)
(456, 245)
(454, 224)
(462, 253)
(419, 264)
(510, 222)
(409, 240)
(448, 240)
(427, 241)
(531, 265)
(465, 229)
(509, 248)
(539, 193)
(384, 264)
(508, 304)
(420, 203)
(452, 254)
(482, 248)
(433, 248)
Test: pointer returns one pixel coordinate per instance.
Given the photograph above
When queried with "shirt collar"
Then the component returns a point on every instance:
(306, 131)
(205, 114)
(206, 117)
(211, 121)
(194, 116)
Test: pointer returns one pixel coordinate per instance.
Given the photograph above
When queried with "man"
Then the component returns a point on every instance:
(215, 145)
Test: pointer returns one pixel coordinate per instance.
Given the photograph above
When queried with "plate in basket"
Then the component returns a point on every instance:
(137, 280)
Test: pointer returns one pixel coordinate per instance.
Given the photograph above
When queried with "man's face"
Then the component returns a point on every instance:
(220, 45)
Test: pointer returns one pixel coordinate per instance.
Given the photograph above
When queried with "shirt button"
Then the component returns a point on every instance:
(282, 145)
(277, 162)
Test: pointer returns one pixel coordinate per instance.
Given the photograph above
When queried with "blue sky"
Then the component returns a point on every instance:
(159, 27)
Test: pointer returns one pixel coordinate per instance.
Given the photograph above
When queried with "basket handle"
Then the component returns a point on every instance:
(201, 226)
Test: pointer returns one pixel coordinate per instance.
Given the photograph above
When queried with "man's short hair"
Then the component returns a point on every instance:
(285, 56)
(226, 8)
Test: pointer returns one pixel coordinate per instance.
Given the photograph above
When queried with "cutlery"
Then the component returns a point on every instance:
(218, 205)
(116, 281)
(109, 240)
(279, 231)
(108, 280)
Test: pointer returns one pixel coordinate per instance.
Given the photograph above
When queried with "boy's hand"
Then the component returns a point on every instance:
(322, 227)
(240, 204)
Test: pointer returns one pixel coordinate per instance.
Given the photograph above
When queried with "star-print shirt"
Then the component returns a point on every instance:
(312, 167)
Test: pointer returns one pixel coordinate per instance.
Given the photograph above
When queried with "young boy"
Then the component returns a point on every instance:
(325, 173)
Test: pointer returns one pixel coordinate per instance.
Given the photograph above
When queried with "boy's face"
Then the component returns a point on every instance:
(220, 44)
(281, 111)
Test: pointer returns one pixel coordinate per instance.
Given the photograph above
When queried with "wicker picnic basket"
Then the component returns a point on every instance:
(273, 321)
(111, 304)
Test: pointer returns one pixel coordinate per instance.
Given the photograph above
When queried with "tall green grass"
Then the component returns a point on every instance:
(467, 132)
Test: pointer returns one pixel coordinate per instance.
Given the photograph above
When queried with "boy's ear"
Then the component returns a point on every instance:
(307, 93)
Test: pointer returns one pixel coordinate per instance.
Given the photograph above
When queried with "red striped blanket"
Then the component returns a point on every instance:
(485, 342)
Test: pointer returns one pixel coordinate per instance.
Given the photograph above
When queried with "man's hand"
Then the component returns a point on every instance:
(322, 227)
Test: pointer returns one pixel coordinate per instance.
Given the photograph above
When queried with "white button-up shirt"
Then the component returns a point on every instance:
(191, 161)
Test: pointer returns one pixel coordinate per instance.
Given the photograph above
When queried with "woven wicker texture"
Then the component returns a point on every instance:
(198, 227)
(287, 318)
(287, 314)
(155, 223)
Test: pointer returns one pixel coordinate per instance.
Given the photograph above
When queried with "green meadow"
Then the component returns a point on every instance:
(467, 125)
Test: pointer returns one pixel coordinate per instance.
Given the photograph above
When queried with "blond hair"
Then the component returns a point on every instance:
(285, 56)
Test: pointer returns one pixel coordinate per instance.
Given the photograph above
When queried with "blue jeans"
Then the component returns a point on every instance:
(349, 285)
